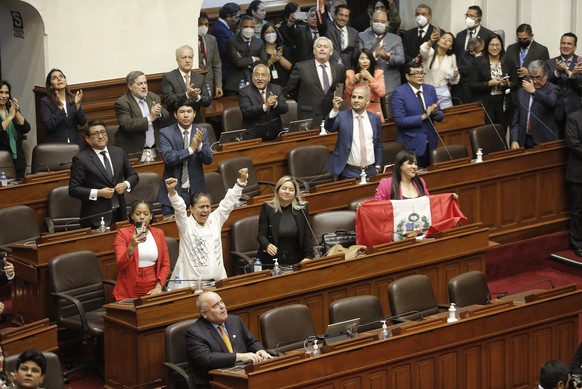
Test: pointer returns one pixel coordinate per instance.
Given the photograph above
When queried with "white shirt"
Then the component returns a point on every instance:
(148, 251)
(475, 34)
(354, 157)
(93, 193)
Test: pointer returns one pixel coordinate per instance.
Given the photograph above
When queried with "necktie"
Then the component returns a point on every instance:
(314, 35)
(263, 96)
(343, 39)
(522, 56)
(184, 179)
(109, 170)
(325, 78)
(419, 95)
(224, 337)
(528, 128)
(470, 36)
(187, 80)
(362, 135)
(420, 33)
(150, 139)
(202, 48)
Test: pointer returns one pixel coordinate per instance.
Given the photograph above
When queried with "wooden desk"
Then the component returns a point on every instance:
(219, 105)
(501, 348)
(40, 335)
(133, 347)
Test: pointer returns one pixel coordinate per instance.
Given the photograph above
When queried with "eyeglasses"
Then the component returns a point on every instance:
(417, 74)
(97, 134)
(494, 44)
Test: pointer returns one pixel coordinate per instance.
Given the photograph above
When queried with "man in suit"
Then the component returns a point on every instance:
(218, 340)
(387, 49)
(183, 82)
(262, 104)
(554, 374)
(474, 28)
(209, 57)
(574, 180)
(184, 148)
(345, 38)
(416, 36)
(305, 35)
(223, 30)
(534, 121)
(100, 175)
(140, 115)
(244, 51)
(312, 82)
(359, 143)
(414, 108)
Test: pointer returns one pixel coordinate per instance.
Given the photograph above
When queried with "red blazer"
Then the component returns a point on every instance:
(127, 277)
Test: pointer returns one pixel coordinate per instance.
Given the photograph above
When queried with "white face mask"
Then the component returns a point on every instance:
(470, 23)
(421, 20)
(202, 30)
(248, 32)
(379, 28)
(271, 37)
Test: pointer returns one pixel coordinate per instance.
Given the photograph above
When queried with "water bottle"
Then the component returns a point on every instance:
(177, 282)
(241, 84)
(276, 268)
(102, 227)
(257, 266)
(385, 332)
(3, 179)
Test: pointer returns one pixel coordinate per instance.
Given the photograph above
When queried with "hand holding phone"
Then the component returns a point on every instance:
(140, 227)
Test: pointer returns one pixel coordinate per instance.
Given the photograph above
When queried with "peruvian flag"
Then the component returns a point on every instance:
(384, 221)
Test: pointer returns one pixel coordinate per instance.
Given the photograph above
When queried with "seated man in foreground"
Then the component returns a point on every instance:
(218, 340)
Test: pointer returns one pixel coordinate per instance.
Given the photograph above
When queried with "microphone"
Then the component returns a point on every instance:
(288, 342)
(503, 294)
(316, 248)
(66, 163)
(538, 119)
(439, 136)
(154, 382)
(377, 321)
(67, 224)
(494, 126)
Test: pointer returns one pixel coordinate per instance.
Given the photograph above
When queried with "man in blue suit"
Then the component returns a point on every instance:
(414, 108)
(359, 141)
(223, 31)
(184, 149)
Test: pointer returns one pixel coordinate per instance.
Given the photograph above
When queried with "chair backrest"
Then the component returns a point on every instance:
(7, 164)
(332, 221)
(53, 156)
(489, 138)
(412, 293)
(232, 119)
(17, 223)
(175, 351)
(146, 189)
(353, 206)
(53, 378)
(243, 239)
(63, 210)
(281, 327)
(111, 131)
(290, 115)
(229, 168)
(448, 153)
(367, 308)
(390, 151)
(173, 251)
(309, 163)
(214, 186)
(468, 289)
(386, 104)
(76, 274)
(210, 130)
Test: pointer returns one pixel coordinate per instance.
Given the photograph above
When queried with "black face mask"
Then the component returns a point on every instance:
(524, 44)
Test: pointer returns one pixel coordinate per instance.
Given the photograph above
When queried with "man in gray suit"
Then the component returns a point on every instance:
(140, 115)
(209, 57)
(387, 49)
(345, 38)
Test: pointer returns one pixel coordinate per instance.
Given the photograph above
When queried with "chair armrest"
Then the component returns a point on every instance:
(443, 306)
(181, 372)
(242, 256)
(270, 184)
(303, 183)
(79, 307)
(110, 282)
(49, 224)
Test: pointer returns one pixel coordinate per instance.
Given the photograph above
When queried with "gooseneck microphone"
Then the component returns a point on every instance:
(530, 112)
(316, 248)
(439, 136)
(494, 126)
(503, 294)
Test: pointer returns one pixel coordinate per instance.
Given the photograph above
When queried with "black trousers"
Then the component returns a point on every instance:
(575, 192)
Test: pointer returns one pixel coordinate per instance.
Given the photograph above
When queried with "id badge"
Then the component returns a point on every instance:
(274, 74)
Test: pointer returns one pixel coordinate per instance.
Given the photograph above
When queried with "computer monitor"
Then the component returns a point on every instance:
(343, 330)
(231, 136)
(300, 125)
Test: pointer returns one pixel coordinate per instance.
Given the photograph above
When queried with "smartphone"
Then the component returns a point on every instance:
(579, 60)
(140, 227)
(301, 15)
(339, 90)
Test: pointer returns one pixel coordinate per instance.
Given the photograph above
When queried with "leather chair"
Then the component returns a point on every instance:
(173, 251)
(53, 377)
(111, 131)
(63, 211)
(243, 243)
(412, 293)
(50, 157)
(210, 130)
(390, 151)
(366, 307)
(17, 223)
(308, 164)
(386, 104)
(468, 289)
(176, 355)
(214, 186)
(444, 154)
(332, 221)
(291, 115)
(490, 138)
(353, 206)
(229, 168)
(285, 328)
(146, 189)
(7, 164)
(232, 119)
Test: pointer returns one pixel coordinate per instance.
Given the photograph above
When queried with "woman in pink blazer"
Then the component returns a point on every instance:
(365, 72)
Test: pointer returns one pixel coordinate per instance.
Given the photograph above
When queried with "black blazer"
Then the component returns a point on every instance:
(239, 55)
(88, 172)
(303, 37)
(20, 161)
(353, 45)
(251, 105)
(174, 89)
(480, 75)
(460, 44)
(269, 232)
(60, 125)
(412, 43)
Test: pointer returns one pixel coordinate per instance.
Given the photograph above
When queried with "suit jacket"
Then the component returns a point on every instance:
(174, 89)
(569, 101)
(173, 153)
(407, 111)
(343, 123)
(269, 232)
(535, 51)
(305, 88)
(20, 161)
(303, 37)
(128, 266)
(239, 55)
(251, 105)
(542, 108)
(62, 127)
(460, 44)
(88, 172)
(213, 64)
(412, 42)
(392, 43)
(206, 349)
(133, 125)
(480, 75)
(573, 136)
(345, 56)
(222, 34)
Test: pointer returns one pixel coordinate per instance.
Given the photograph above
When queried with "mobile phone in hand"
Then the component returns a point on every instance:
(140, 227)
(339, 90)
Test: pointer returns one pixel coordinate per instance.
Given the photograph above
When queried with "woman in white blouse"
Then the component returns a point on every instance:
(440, 65)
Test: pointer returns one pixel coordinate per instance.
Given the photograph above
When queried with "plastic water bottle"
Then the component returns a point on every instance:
(241, 84)
(385, 332)
(257, 265)
(316, 351)
(3, 179)
(276, 268)
(208, 89)
(322, 128)
(102, 227)
(479, 155)
(452, 314)
(177, 282)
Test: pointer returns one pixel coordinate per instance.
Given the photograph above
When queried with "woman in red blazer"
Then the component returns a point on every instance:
(141, 255)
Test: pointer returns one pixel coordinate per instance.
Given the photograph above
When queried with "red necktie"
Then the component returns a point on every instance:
(202, 47)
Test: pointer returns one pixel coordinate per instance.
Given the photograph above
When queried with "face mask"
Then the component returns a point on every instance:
(470, 23)
(248, 32)
(524, 44)
(379, 28)
(421, 20)
(202, 30)
(271, 37)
